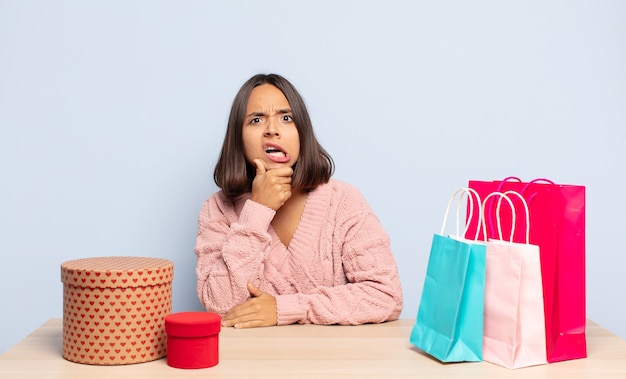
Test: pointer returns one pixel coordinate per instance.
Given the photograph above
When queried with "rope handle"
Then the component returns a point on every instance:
(526, 212)
(523, 191)
(508, 179)
(538, 180)
(464, 191)
(506, 195)
(498, 221)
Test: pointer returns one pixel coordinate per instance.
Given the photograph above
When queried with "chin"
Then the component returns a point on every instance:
(273, 165)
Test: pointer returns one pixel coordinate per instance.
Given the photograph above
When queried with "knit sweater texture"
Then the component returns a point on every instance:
(337, 269)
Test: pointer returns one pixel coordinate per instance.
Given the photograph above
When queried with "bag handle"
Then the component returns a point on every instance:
(506, 195)
(509, 179)
(467, 192)
(498, 222)
(538, 180)
(499, 189)
(516, 179)
(526, 212)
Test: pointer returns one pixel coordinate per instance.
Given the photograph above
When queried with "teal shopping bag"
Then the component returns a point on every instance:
(449, 323)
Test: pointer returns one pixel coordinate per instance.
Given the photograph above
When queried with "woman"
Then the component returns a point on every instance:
(282, 242)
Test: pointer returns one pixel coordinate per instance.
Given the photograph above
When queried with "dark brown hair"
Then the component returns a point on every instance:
(234, 175)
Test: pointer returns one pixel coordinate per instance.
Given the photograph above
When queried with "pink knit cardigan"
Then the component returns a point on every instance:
(337, 269)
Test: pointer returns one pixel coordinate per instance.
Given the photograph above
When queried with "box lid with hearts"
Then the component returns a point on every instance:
(116, 272)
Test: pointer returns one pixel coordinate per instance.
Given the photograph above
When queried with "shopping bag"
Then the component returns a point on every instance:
(449, 322)
(557, 217)
(514, 330)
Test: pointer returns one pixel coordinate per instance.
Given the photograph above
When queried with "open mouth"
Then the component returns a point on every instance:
(276, 154)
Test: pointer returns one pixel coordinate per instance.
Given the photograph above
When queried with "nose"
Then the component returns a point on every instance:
(271, 128)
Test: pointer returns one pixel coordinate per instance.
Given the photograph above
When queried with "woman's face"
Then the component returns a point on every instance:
(269, 132)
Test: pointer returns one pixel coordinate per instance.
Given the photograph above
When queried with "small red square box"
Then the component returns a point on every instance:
(114, 309)
(192, 339)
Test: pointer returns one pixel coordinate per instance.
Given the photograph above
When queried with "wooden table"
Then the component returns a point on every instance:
(310, 351)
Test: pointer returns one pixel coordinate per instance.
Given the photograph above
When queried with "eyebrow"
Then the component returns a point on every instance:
(259, 114)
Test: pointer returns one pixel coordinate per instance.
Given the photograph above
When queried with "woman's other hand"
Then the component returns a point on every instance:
(258, 311)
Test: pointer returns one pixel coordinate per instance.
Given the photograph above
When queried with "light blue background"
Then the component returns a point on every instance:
(112, 114)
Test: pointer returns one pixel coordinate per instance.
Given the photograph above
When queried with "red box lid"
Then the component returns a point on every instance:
(192, 324)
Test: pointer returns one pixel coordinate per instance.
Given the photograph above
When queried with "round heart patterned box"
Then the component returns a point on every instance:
(114, 309)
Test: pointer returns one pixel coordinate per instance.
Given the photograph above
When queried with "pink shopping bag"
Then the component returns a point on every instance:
(514, 330)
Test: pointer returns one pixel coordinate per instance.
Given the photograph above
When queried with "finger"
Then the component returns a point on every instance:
(282, 171)
(283, 183)
(287, 195)
(248, 324)
(254, 291)
(232, 317)
(260, 166)
(245, 315)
